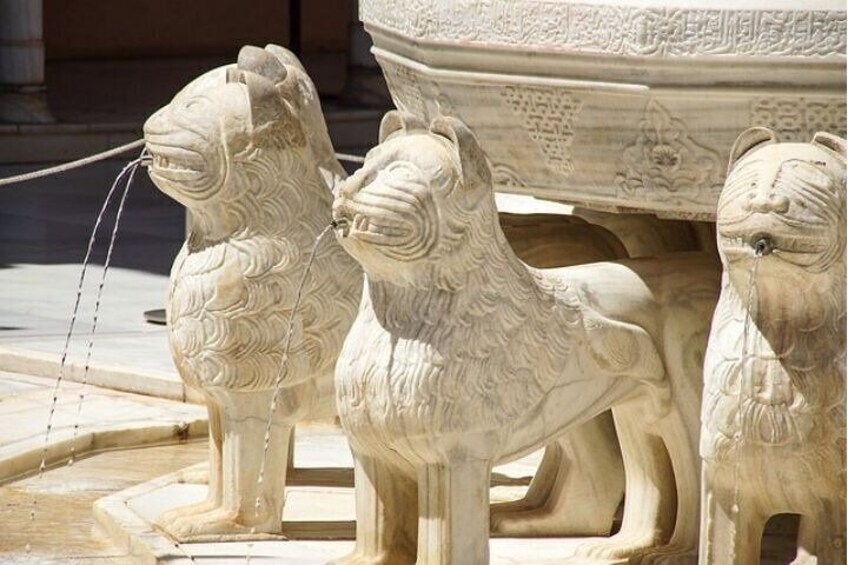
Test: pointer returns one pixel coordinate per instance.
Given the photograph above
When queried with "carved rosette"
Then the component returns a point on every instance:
(665, 159)
(798, 119)
(548, 116)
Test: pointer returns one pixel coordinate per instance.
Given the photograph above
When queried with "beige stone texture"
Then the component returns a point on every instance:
(773, 420)
(462, 356)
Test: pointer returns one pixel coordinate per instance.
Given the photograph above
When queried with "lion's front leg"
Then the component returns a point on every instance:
(575, 492)
(177, 521)
(453, 513)
(386, 514)
(731, 523)
(821, 535)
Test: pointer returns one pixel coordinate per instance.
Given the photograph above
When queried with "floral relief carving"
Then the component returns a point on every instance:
(665, 159)
(617, 30)
(798, 119)
(548, 116)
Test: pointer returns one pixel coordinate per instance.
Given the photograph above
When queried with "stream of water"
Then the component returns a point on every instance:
(278, 380)
(746, 365)
(127, 172)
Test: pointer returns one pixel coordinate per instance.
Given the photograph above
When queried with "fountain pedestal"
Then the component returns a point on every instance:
(617, 106)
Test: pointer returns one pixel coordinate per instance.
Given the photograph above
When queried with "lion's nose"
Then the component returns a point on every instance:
(156, 124)
(767, 202)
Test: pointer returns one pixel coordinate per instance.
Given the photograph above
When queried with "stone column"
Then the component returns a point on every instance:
(22, 92)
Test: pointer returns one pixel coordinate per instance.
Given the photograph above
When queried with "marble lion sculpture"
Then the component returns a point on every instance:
(773, 421)
(461, 356)
(245, 149)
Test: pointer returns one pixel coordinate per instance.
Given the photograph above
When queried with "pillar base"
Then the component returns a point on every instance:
(25, 106)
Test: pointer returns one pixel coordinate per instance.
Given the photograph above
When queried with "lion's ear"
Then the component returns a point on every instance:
(472, 160)
(261, 62)
(831, 143)
(748, 140)
(395, 121)
(284, 55)
(266, 106)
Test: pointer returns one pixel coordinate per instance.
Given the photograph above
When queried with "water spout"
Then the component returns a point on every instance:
(762, 245)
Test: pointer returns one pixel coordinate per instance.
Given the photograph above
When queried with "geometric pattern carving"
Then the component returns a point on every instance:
(548, 117)
(665, 159)
(798, 119)
(615, 29)
(404, 88)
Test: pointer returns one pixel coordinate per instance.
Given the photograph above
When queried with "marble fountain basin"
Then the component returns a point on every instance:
(623, 106)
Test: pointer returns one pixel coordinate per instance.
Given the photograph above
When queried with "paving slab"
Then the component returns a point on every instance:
(85, 419)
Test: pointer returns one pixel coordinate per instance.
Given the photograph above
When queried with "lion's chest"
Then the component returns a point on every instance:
(226, 315)
(765, 412)
(388, 386)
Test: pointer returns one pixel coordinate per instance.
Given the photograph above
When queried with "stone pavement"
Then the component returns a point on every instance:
(85, 419)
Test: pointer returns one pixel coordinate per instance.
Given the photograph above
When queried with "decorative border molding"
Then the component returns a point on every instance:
(798, 119)
(615, 29)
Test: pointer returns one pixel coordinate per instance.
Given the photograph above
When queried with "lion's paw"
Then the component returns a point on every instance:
(621, 545)
(219, 524)
(522, 521)
(671, 554)
(357, 558)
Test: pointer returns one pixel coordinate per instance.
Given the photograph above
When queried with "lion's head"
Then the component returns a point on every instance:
(421, 204)
(233, 123)
(785, 200)
(783, 208)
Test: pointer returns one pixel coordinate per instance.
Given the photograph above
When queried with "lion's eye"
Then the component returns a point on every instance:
(191, 104)
(399, 171)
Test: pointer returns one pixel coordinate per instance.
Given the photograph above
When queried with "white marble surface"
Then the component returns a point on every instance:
(104, 419)
(128, 515)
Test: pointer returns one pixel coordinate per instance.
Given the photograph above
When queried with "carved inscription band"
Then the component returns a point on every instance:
(616, 30)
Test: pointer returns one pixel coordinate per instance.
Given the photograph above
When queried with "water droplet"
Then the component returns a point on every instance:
(28, 548)
(71, 461)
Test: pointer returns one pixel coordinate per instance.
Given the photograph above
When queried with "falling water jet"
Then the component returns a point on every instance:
(130, 168)
(113, 237)
(762, 246)
(278, 380)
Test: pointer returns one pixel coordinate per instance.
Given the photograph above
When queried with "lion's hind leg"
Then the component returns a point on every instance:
(575, 492)
(650, 498)
(679, 437)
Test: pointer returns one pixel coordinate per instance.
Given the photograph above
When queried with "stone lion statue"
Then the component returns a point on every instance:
(245, 149)
(773, 420)
(462, 356)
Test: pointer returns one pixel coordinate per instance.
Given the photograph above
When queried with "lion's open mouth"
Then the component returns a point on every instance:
(175, 163)
(751, 243)
(370, 229)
